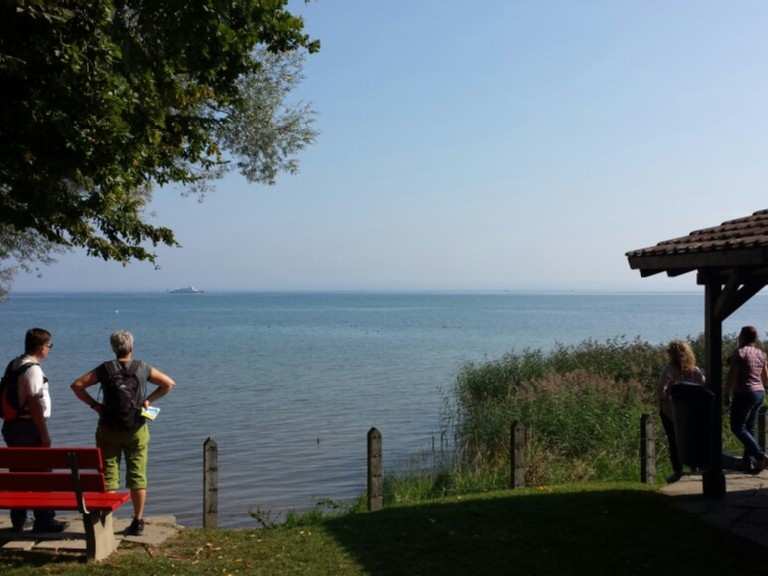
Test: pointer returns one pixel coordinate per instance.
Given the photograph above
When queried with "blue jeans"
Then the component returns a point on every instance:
(744, 409)
(23, 433)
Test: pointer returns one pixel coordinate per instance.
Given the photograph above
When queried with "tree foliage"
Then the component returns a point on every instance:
(102, 100)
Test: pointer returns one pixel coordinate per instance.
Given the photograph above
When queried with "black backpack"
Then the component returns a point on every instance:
(123, 389)
(9, 390)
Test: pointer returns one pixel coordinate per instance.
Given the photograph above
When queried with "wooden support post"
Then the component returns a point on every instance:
(762, 428)
(210, 484)
(647, 450)
(375, 475)
(517, 442)
(714, 479)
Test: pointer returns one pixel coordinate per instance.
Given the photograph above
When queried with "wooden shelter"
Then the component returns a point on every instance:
(731, 262)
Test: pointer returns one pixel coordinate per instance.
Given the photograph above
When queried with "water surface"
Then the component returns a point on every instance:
(289, 384)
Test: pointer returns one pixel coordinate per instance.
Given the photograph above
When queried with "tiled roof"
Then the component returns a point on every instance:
(741, 233)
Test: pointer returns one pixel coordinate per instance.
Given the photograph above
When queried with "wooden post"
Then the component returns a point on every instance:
(210, 484)
(375, 468)
(714, 480)
(647, 450)
(517, 444)
(762, 428)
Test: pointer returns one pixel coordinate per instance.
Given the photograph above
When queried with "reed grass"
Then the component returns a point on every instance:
(581, 403)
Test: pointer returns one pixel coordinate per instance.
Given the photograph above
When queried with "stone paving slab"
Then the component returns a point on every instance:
(61, 544)
(743, 511)
(25, 546)
(157, 529)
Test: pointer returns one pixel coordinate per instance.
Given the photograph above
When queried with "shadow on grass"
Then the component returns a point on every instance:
(595, 532)
(31, 559)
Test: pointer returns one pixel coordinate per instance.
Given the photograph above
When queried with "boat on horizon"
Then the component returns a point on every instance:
(187, 290)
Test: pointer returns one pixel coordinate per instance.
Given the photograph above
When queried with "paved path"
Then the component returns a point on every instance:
(156, 531)
(743, 511)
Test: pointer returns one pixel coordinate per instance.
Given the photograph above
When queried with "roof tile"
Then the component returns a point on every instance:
(747, 232)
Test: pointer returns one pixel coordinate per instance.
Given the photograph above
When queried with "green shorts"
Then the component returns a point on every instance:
(135, 446)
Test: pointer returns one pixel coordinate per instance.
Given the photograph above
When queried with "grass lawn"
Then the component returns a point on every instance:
(588, 529)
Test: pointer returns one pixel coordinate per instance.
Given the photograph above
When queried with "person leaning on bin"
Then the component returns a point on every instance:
(747, 377)
(681, 368)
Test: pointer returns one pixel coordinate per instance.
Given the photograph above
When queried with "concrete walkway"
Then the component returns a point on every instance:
(156, 531)
(743, 511)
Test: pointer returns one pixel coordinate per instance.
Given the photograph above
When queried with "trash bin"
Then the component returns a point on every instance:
(694, 411)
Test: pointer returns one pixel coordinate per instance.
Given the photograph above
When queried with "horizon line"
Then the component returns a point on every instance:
(468, 291)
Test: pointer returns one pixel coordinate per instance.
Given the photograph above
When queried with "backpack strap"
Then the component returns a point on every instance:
(113, 367)
(10, 382)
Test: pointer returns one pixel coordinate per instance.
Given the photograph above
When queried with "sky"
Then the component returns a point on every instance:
(501, 145)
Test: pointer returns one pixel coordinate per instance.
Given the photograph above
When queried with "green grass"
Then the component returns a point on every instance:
(617, 528)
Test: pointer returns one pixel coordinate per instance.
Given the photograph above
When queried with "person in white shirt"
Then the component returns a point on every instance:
(26, 406)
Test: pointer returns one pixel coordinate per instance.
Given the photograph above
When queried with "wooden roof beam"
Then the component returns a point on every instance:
(646, 273)
(736, 293)
(748, 275)
(679, 271)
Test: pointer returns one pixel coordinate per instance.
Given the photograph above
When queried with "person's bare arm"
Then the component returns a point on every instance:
(36, 411)
(164, 385)
(79, 386)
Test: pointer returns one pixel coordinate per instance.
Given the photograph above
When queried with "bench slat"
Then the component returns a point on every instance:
(49, 458)
(50, 481)
(63, 500)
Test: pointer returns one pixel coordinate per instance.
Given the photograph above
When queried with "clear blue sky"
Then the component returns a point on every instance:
(493, 145)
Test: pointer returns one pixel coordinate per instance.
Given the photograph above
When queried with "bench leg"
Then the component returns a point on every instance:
(99, 535)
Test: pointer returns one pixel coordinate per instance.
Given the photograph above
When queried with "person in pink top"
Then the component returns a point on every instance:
(747, 377)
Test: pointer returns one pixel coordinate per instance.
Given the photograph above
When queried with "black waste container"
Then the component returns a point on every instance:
(694, 414)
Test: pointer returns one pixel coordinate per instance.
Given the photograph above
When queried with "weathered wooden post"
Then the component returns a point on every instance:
(375, 476)
(647, 450)
(762, 428)
(517, 444)
(210, 484)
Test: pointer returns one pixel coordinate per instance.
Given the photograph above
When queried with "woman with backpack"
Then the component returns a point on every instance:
(122, 428)
(25, 406)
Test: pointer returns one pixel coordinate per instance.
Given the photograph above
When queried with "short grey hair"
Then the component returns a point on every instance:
(122, 343)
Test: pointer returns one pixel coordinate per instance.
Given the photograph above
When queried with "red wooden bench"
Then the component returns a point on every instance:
(63, 479)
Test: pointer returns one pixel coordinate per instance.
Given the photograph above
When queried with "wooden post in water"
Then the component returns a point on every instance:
(375, 468)
(647, 450)
(210, 484)
(517, 444)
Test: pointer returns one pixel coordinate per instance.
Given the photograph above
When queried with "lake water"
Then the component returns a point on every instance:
(289, 384)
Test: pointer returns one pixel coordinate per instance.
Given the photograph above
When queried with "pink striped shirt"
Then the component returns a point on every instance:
(751, 361)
